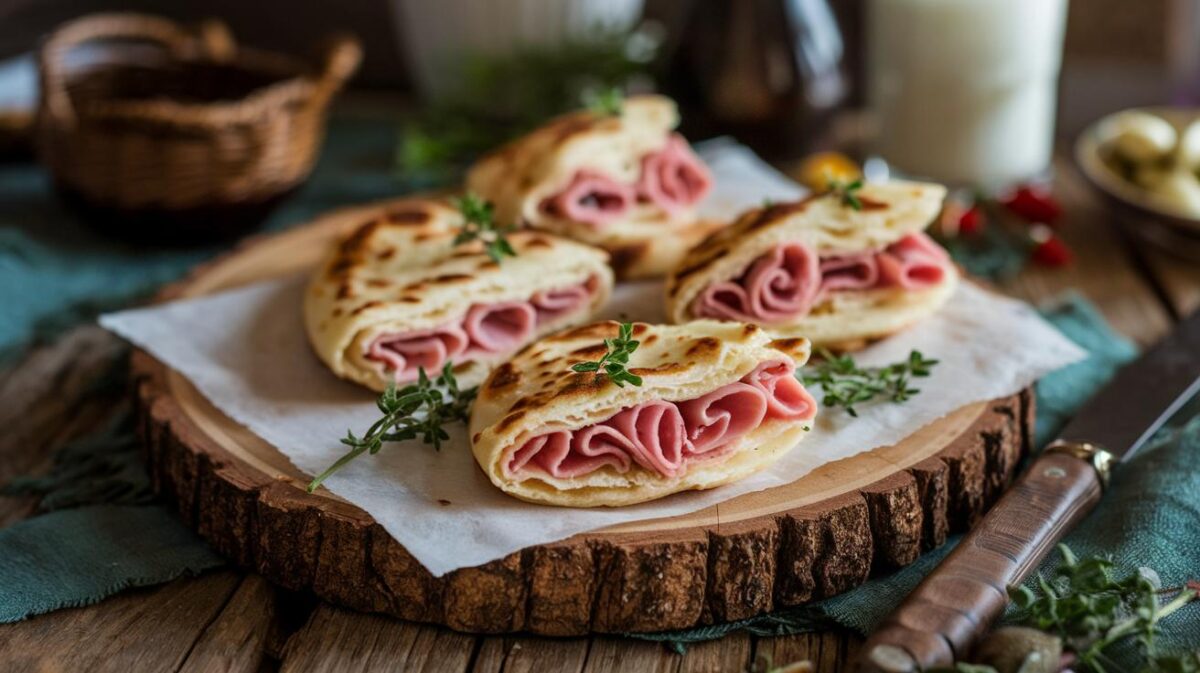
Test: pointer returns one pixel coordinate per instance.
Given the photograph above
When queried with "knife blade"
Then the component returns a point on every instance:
(940, 620)
(1142, 396)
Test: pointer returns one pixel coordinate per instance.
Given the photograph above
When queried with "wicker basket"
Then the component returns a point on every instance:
(190, 135)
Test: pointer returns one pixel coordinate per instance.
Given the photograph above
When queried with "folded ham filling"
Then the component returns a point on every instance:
(672, 178)
(788, 280)
(668, 437)
(484, 330)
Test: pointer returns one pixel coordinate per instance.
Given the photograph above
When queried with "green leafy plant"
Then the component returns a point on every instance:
(847, 191)
(1091, 610)
(480, 224)
(605, 103)
(418, 410)
(500, 98)
(845, 384)
(614, 361)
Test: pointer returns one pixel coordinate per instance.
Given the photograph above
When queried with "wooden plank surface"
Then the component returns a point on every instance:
(228, 620)
(143, 630)
(235, 641)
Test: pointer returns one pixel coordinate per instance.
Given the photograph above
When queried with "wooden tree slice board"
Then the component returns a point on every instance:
(819, 536)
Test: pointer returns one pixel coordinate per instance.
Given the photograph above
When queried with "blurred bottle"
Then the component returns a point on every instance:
(767, 71)
(965, 92)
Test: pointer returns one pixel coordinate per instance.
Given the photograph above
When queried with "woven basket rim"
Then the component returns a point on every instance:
(297, 82)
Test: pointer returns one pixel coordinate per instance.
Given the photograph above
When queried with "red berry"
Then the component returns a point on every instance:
(1052, 252)
(972, 221)
(1033, 204)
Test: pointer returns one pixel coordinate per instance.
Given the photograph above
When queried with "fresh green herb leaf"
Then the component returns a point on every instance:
(418, 410)
(613, 363)
(1091, 610)
(480, 223)
(848, 191)
(605, 103)
(845, 384)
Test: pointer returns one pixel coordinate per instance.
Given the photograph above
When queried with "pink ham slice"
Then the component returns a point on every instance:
(669, 437)
(785, 282)
(430, 349)
(849, 272)
(554, 451)
(674, 178)
(592, 198)
(486, 329)
(914, 262)
(779, 285)
(494, 328)
(554, 304)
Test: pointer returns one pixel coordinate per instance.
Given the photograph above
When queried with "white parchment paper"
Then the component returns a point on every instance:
(247, 352)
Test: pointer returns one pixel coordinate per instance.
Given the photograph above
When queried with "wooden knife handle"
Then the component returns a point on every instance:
(941, 618)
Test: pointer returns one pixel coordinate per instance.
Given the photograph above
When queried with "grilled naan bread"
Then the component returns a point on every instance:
(820, 269)
(397, 294)
(626, 183)
(718, 401)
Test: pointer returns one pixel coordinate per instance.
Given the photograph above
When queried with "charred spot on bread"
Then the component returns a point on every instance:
(663, 369)
(366, 306)
(505, 376)
(624, 258)
(790, 346)
(601, 330)
(704, 346)
(409, 216)
(590, 352)
(509, 420)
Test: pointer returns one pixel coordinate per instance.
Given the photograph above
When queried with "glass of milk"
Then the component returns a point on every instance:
(965, 90)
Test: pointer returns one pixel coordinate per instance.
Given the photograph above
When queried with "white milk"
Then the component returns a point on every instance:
(964, 90)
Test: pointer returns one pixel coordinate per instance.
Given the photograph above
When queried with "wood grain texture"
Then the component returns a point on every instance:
(341, 641)
(145, 630)
(827, 651)
(48, 400)
(530, 655)
(234, 642)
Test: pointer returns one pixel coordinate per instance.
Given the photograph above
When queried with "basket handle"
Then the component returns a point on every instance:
(211, 38)
(341, 58)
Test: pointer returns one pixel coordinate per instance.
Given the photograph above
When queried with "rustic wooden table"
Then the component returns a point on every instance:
(229, 620)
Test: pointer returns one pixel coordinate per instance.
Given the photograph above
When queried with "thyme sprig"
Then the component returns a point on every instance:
(606, 102)
(418, 410)
(480, 223)
(845, 384)
(1091, 610)
(613, 363)
(847, 191)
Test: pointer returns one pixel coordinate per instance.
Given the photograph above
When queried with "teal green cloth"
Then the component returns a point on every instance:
(55, 272)
(81, 556)
(1150, 517)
